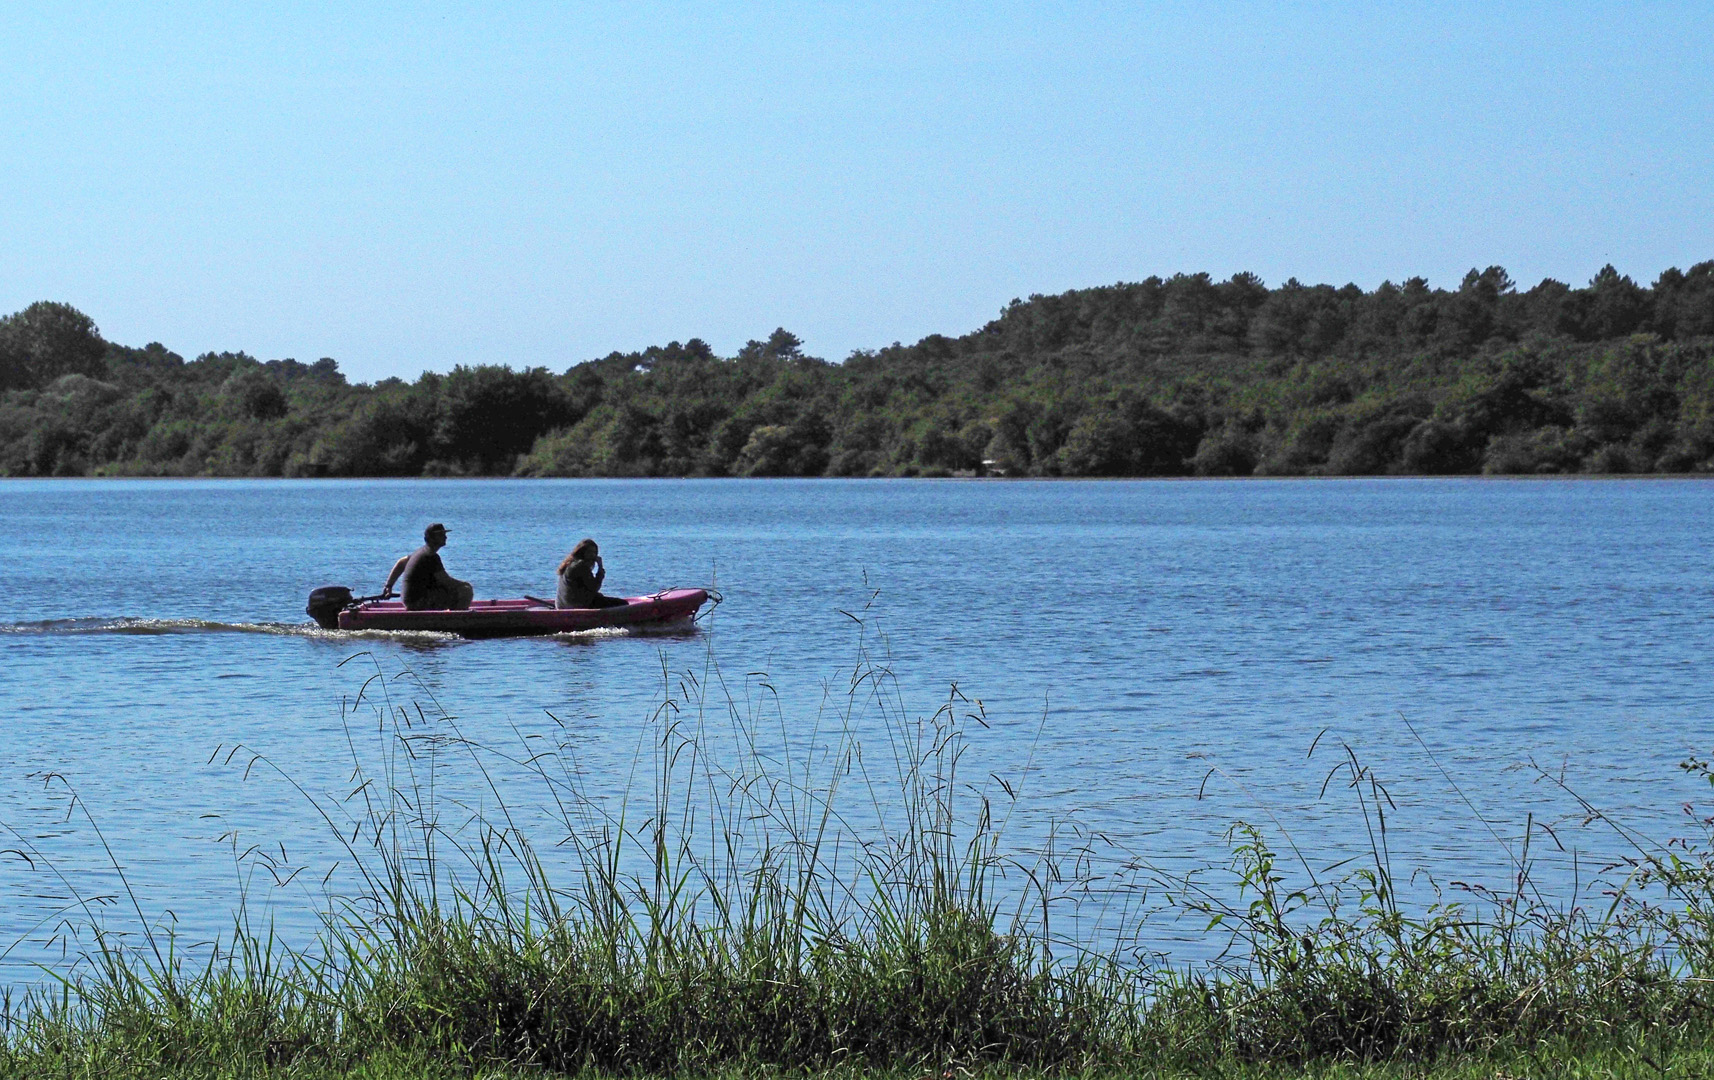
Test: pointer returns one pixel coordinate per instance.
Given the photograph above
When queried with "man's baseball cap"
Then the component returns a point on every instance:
(437, 527)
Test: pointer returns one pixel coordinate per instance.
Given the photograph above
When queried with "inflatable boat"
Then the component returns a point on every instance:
(520, 617)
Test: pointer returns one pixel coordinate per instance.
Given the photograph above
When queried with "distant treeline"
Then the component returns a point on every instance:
(1164, 377)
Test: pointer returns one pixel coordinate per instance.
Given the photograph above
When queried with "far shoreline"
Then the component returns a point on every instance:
(999, 480)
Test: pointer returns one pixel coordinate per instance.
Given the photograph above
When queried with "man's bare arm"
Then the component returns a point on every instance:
(398, 568)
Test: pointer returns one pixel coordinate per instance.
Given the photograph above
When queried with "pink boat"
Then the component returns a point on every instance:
(518, 617)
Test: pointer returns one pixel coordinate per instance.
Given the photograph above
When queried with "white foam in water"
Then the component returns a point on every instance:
(669, 628)
(142, 626)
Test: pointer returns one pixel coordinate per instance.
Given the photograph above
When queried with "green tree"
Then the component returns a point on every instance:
(490, 416)
(45, 341)
(256, 395)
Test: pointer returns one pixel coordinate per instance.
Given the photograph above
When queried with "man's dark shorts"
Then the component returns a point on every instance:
(422, 584)
(437, 599)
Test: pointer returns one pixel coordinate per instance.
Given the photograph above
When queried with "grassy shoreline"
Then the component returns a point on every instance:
(738, 915)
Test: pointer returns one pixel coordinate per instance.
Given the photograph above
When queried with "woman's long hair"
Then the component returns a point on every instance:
(585, 549)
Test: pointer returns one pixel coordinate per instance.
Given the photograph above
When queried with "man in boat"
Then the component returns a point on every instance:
(427, 585)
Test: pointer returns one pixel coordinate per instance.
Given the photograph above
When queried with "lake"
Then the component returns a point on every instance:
(1154, 661)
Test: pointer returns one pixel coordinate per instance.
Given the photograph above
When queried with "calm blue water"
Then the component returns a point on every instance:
(1163, 655)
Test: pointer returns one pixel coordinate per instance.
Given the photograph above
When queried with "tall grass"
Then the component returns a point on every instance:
(766, 895)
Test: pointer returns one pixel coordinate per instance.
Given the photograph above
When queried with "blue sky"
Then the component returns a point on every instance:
(410, 187)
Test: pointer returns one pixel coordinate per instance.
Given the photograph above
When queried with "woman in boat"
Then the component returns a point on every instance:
(580, 577)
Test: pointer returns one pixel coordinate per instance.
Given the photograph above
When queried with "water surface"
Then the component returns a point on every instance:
(1163, 654)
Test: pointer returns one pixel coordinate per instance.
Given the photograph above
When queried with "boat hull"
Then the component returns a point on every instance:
(524, 617)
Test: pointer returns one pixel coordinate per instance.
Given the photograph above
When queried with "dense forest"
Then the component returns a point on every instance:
(1164, 377)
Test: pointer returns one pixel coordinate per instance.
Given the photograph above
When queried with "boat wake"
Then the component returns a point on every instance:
(157, 627)
(685, 627)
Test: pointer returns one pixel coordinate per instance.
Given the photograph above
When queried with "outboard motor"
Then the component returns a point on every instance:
(326, 603)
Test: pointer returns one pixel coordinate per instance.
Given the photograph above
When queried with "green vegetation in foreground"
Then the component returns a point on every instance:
(1159, 378)
(1624, 1056)
(730, 920)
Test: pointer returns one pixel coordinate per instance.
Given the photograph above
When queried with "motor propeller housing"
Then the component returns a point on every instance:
(326, 603)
